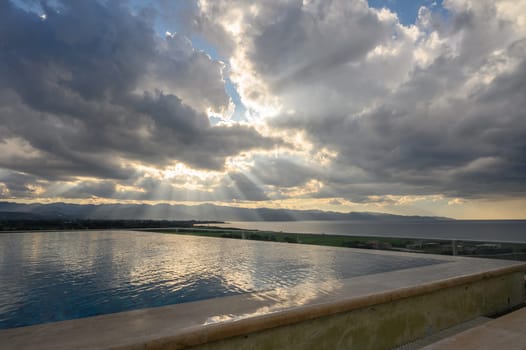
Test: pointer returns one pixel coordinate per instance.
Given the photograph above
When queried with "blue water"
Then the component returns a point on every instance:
(53, 276)
(469, 230)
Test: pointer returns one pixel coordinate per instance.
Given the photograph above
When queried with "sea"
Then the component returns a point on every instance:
(512, 231)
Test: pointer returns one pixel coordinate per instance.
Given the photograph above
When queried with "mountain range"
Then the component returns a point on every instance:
(208, 212)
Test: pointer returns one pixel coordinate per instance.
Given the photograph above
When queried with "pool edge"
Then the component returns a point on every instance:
(206, 335)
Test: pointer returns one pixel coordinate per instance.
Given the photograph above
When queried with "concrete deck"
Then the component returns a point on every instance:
(506, 332)
(446, 333)
(428, 299)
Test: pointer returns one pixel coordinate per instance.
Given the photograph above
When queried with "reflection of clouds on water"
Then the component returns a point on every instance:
(259, 266)
(282, 299)
(302, 276)
(54, 276)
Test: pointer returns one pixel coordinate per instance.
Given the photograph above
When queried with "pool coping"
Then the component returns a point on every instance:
(196, 323)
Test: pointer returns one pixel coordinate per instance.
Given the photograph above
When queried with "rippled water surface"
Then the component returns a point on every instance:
(52, 276)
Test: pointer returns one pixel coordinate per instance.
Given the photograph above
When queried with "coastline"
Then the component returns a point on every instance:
(508, 251)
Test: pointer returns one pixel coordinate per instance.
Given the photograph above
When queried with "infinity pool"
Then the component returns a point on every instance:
(53, 276)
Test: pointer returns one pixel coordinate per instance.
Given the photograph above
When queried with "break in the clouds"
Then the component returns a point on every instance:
(89, 89)
(432, 108)
(345, 105)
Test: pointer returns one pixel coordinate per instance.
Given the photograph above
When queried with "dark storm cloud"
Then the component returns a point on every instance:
(469, 147)
(283, 172)
(188, 73)
(79, 87)
(86, 50)
(17, 185)
(301, 45)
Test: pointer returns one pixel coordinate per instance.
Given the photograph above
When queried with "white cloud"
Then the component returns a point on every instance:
(376, 111)
(397, 104)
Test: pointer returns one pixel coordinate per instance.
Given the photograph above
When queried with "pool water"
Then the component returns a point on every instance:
(54, 276)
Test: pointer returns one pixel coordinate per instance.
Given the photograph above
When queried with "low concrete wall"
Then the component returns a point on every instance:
(386, 325)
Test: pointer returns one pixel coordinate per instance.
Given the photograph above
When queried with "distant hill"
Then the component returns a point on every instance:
(17, 215)
(210, 212)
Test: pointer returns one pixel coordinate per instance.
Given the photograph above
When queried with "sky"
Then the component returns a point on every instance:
(403, 107)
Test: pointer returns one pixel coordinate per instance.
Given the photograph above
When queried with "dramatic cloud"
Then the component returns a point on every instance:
(434, 108)
(18, 185)
(340, 103)
(89, 89)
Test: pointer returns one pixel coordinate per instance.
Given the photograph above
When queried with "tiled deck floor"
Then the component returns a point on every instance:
(506, 332)
(446, 333)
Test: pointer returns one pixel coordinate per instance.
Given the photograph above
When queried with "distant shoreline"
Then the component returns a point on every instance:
(511, 251)
(86, 224)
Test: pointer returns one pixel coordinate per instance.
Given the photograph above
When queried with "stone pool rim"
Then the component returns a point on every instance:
(229, 329)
